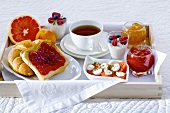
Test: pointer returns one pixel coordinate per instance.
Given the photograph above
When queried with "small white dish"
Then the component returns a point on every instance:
(72, 72)
(77, 55)
(91, 60)
(120, 43)
(101, 48)
(117, 52)
(59, 30)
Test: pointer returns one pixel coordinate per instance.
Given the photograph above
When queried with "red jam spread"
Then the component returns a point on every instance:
(140, 59)
(46, 59)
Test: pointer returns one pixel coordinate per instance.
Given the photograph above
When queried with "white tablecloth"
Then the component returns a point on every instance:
(156, 12)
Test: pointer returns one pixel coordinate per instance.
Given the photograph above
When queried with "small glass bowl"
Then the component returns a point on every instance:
(140, 60)
(137, 33)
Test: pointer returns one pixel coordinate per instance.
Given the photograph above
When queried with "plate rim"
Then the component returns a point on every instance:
(7, 67)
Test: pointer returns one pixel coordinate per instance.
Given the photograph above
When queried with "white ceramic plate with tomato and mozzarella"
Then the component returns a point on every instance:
(72, 72)
(90, 60)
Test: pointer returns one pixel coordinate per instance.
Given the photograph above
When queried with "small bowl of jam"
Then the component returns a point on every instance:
(136, 31)
(140, 60)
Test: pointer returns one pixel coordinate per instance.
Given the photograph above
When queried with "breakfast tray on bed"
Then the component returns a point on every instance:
(132, 89)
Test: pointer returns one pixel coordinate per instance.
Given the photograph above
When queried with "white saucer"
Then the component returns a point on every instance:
(101, 48)
(77, 55)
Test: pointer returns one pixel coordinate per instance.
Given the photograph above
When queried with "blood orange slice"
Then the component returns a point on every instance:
(23, 27)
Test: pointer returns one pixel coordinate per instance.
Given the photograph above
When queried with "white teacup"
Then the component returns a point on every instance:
(85, 42)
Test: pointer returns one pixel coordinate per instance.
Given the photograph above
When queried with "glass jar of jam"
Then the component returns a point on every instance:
(140, 60)
(137, 33)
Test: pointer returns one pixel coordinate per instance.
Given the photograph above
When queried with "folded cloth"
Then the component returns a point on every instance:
(48, 96)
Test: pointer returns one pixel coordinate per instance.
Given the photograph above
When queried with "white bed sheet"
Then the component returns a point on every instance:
(155, 12)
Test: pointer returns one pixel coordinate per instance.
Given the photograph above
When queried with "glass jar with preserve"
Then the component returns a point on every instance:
(137, 33)
(140, 60)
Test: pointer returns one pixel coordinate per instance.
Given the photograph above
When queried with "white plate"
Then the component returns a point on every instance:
(90, 60)
(69, 45)
(72, 72)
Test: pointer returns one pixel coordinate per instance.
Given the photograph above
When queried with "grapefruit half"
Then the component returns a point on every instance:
(23, 27)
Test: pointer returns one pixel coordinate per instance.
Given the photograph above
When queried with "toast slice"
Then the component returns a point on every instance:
(45, 59)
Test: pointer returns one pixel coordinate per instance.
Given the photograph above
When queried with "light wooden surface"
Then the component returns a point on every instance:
(156, 12)
(122, 90)
(1, 78)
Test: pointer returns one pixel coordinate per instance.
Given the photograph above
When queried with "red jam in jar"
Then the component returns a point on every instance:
(140, 60)
(46, 59)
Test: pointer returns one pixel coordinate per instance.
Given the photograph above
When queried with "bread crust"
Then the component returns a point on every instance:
(25, 57)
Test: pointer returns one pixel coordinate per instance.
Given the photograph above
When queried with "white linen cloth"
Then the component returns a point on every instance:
(48, 96)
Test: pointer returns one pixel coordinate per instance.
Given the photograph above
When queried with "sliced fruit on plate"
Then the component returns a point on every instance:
(23, 27)
(123, 67)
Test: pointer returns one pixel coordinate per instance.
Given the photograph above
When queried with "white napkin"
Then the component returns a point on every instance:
(48, 96)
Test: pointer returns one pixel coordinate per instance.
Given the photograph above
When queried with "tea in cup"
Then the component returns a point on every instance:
(86, 34)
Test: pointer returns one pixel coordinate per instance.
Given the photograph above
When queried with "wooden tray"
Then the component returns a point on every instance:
(122, 90)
